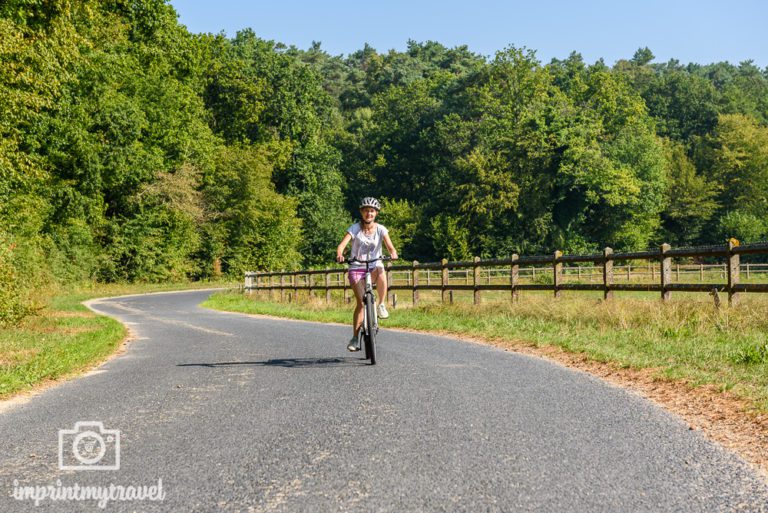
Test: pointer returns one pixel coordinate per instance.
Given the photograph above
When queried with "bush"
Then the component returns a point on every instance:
(743, 226)
(14, 304)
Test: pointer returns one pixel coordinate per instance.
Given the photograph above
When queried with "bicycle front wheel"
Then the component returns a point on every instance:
(370, 321)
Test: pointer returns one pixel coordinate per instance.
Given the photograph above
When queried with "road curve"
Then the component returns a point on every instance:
(240, 413)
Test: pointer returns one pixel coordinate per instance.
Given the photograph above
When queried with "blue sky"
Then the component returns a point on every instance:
(702, 31)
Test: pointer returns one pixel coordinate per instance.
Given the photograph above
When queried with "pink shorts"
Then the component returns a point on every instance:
(356, 275)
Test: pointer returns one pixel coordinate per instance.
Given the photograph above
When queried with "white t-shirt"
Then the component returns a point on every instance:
(365, 247)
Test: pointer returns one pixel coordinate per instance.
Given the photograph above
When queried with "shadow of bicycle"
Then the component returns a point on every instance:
(288, 362)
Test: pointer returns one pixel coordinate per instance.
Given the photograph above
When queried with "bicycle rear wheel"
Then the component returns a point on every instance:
(370, 328)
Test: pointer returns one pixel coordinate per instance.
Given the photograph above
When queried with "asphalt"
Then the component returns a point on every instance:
(242, 413)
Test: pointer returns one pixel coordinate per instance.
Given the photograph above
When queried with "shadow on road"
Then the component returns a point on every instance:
(288, 362)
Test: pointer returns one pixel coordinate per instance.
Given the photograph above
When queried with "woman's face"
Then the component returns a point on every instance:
(368, 214)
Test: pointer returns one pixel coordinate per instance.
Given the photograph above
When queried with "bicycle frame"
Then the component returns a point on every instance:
(369, 297)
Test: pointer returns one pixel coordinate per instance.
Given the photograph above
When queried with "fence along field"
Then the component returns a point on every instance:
(644, 271)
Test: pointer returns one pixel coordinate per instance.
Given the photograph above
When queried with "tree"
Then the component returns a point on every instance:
(256, 228)
(739, 162)
(259, 95)
(643, 56)
(403, 220)
(691, 199)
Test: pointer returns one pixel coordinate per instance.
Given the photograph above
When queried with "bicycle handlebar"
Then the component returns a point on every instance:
(372, 260)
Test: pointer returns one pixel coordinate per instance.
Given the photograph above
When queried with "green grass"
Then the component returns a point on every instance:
(64, 338)
(686, 339)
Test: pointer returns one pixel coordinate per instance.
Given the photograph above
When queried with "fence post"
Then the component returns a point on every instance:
(476, 279)
(270, 292)
(514, 276)
(557, 269)
(282, 286)
(443, 279)
(415, 274)
(327, 279)
(295, 283)
(701, 272)
(390, 281)
(309, 284)
(666, 272)
(607, 273)
(248, 283)
(734, 267)
(629, 272)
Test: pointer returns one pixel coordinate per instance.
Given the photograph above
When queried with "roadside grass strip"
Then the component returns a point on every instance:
(64, 338)
(61, 340)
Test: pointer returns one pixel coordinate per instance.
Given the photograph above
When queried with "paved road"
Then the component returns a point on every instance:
(239, 413)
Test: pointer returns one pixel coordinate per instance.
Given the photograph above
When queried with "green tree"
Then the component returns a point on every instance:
(742, 226)
(691, 199)
(256, 228)
(403, 220)
(739, 163)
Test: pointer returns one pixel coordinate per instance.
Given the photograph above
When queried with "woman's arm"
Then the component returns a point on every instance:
(342, 245)
(390, 247)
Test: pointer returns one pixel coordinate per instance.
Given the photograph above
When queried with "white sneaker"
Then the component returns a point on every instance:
(353, 345)
(383, 314)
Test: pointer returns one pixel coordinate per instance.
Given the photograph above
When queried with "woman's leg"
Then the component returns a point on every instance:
(380, 276)
(357, 317)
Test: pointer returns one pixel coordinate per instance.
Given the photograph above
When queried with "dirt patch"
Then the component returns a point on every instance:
(18, 355)
(70, 330)
(72, 314)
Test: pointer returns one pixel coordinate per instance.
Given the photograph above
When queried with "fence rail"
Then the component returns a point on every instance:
(555, 273)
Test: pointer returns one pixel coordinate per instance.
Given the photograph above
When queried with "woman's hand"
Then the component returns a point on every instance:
(393, 255)
(339, 258)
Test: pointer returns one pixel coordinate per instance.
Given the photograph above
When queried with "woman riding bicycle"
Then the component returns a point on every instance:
(367, 237)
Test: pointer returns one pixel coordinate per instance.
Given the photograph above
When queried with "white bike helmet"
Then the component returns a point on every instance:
(370, 202)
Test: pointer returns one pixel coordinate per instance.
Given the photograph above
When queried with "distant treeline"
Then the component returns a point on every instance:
(132, 149)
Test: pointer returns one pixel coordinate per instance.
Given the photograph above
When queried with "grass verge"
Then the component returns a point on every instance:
(64, 338)
(685, 340)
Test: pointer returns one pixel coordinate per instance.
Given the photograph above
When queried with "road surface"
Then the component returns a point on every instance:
(227, 412)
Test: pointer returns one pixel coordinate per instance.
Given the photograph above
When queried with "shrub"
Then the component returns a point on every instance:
(13, 301)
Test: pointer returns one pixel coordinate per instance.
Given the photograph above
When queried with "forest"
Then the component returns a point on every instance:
(132, 150)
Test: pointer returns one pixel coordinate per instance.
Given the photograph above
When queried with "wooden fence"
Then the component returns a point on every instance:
(556, 273)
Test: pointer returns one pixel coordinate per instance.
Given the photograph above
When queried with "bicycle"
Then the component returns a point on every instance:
(370, 327)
